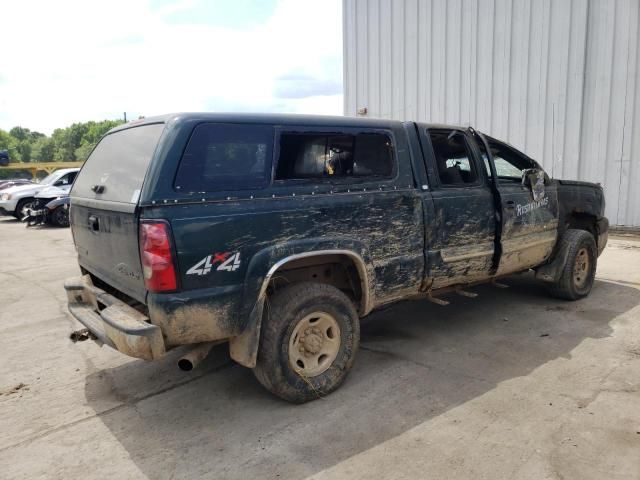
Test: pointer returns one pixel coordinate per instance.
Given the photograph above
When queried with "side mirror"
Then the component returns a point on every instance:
(534, 178)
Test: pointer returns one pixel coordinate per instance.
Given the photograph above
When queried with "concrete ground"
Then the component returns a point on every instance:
(512, 384)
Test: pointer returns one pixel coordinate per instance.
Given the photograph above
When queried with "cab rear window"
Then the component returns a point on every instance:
(116, 168)
(226, 157)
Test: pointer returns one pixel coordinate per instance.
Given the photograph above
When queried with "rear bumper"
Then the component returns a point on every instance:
(112, 321)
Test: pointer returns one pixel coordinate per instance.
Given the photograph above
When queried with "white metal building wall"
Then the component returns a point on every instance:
(555, 78)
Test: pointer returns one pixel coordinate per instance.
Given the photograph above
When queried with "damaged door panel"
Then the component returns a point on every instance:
(528, 206)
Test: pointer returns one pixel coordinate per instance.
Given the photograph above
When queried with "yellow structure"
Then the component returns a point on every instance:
(48, 167)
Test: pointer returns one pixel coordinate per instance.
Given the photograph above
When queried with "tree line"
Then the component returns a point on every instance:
(70, 144)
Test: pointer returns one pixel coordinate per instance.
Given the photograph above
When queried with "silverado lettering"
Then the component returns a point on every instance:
(522, 209)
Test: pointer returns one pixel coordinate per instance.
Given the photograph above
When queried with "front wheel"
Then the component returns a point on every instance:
(60, 217)
(579, 271)
(309, 337)
(22, 206)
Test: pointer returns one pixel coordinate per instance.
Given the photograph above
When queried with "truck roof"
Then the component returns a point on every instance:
(268, 118)
(279, 118)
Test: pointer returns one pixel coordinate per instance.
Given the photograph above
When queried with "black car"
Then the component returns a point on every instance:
(48, 211)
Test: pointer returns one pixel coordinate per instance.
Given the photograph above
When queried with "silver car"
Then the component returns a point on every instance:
(15, 200)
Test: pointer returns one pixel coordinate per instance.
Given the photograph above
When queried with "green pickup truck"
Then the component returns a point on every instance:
(278, 233)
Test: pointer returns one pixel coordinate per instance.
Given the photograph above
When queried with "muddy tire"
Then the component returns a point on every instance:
(309, 337)
(60, 217)
(579, 271)
(20, 205)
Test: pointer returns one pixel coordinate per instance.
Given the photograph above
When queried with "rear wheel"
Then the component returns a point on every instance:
(579, 271)
(310, 334)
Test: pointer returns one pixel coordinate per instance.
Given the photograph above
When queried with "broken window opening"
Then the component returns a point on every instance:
(453, 157)
(330, 156)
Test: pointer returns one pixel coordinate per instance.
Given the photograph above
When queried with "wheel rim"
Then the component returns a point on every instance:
(23, 210)
(581, 268)
(314, 344)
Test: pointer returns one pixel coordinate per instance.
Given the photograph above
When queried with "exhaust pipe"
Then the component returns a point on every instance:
(193, 357)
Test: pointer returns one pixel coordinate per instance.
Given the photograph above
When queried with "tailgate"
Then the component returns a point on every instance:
(107, 245)
(104, 198)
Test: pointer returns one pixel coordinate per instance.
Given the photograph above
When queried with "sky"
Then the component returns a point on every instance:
(68, 61)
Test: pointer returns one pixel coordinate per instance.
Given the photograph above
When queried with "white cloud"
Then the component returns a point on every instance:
(74, 60)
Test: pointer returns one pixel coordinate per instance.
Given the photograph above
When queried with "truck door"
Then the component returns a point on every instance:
(529, 209)
(461, 239)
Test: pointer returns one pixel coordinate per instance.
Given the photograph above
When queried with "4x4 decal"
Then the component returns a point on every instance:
(229, 262)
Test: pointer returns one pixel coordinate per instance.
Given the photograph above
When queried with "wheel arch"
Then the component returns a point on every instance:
(244, 347)
(582, 221)
(21, 201)
(363, 303)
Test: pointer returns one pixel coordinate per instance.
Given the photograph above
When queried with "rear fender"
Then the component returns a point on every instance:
(262, 267)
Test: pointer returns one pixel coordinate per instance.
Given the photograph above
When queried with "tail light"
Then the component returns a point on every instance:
(156, 257)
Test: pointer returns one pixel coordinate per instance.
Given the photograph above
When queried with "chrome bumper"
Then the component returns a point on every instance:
(113, 322)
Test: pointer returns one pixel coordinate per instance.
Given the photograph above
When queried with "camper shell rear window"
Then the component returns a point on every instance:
(116, 168)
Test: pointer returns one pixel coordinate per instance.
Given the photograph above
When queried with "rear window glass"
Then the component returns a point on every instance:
(226, 157)
(118, 164)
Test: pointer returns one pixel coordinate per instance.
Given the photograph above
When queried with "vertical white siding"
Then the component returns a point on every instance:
(556, 78)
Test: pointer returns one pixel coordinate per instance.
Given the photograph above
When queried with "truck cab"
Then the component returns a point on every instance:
(277, 233)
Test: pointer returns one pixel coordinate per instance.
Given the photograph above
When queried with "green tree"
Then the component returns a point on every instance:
(33, 136)
(83, 151)
(24, 150)
(92, 133)
(5, 140)
(77, 131)
(98, 129)
(63, 147)
(42, 150)
(74, 142)
(19, 133)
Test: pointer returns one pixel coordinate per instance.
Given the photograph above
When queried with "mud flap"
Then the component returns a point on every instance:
(244, 348)
(551, 272)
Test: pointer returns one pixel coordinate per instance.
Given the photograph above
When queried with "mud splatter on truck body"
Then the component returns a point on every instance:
(221, 212)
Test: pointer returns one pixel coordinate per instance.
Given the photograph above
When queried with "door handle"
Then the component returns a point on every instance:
(510, 204)
(94, 223)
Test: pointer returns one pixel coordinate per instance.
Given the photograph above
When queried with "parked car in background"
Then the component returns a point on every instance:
(12, 182)
(50, 206)
(4, 158)
(15, 200)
